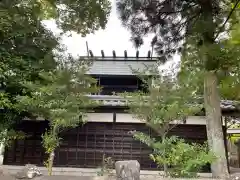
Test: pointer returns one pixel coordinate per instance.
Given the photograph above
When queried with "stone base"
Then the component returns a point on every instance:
(127, 170)
(1, 159)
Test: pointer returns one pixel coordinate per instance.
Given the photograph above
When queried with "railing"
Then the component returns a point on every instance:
(113, 100)
(111, 90)
(109, 100)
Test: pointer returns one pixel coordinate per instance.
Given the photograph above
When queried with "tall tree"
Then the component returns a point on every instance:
(179, 22)
(27, 48)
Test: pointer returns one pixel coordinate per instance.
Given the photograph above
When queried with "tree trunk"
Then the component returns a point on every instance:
(214, 125)
(50, 163)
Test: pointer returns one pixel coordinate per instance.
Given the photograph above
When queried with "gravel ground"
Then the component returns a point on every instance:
(57, 177)
(5, 175)
(9, 177)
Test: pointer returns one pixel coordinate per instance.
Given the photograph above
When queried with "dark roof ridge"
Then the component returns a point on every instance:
(118, 58)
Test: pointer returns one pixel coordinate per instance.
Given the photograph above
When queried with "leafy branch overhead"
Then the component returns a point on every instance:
(173, 21)
(83, 17)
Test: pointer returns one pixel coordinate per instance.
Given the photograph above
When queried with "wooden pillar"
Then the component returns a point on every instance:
(238, 151)
(226, 145)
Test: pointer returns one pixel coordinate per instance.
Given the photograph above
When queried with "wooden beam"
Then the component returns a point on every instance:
(125, 54)
(114, 54)
(91, 53)
(137, 54)
(102, 52)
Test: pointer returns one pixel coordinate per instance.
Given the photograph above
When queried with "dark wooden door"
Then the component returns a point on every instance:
(85, 146)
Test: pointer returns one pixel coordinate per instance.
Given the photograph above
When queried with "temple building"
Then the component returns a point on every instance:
(107, 131)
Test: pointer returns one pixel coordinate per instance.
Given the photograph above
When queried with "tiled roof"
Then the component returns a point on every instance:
(229, 105)
(118, 67)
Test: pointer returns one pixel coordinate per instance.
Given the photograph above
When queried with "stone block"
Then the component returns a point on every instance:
(127, 170)
(28, 172)
(234, 176)
(5, 175)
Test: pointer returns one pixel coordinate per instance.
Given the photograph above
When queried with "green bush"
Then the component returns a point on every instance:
(182, 159)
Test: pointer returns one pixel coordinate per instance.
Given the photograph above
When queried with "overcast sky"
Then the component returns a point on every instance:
(114, 37)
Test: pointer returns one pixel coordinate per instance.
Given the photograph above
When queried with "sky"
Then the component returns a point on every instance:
(113, 37)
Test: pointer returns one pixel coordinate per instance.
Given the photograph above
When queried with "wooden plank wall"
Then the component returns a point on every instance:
(85, 145)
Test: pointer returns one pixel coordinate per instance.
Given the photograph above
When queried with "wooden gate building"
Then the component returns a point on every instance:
(107, 130)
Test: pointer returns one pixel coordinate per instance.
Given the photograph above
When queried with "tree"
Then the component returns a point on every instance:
(167, 104)
(62, 101)
(230, 78)
(27, 48)
(177, 26)
(227, 52)
(83, 17)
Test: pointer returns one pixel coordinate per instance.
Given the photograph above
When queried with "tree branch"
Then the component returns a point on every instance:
(229, 15)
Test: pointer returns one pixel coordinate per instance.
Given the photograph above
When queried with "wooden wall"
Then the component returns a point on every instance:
(85, 145)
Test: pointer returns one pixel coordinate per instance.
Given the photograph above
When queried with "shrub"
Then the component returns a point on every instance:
(181, 158)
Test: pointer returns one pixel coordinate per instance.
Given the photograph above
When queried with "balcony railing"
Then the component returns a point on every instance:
(112, 90)
(108, 100)
(113, 100)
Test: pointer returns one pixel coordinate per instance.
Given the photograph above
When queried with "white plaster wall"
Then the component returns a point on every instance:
(201, 120)
(99, 117)
(128, 118)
